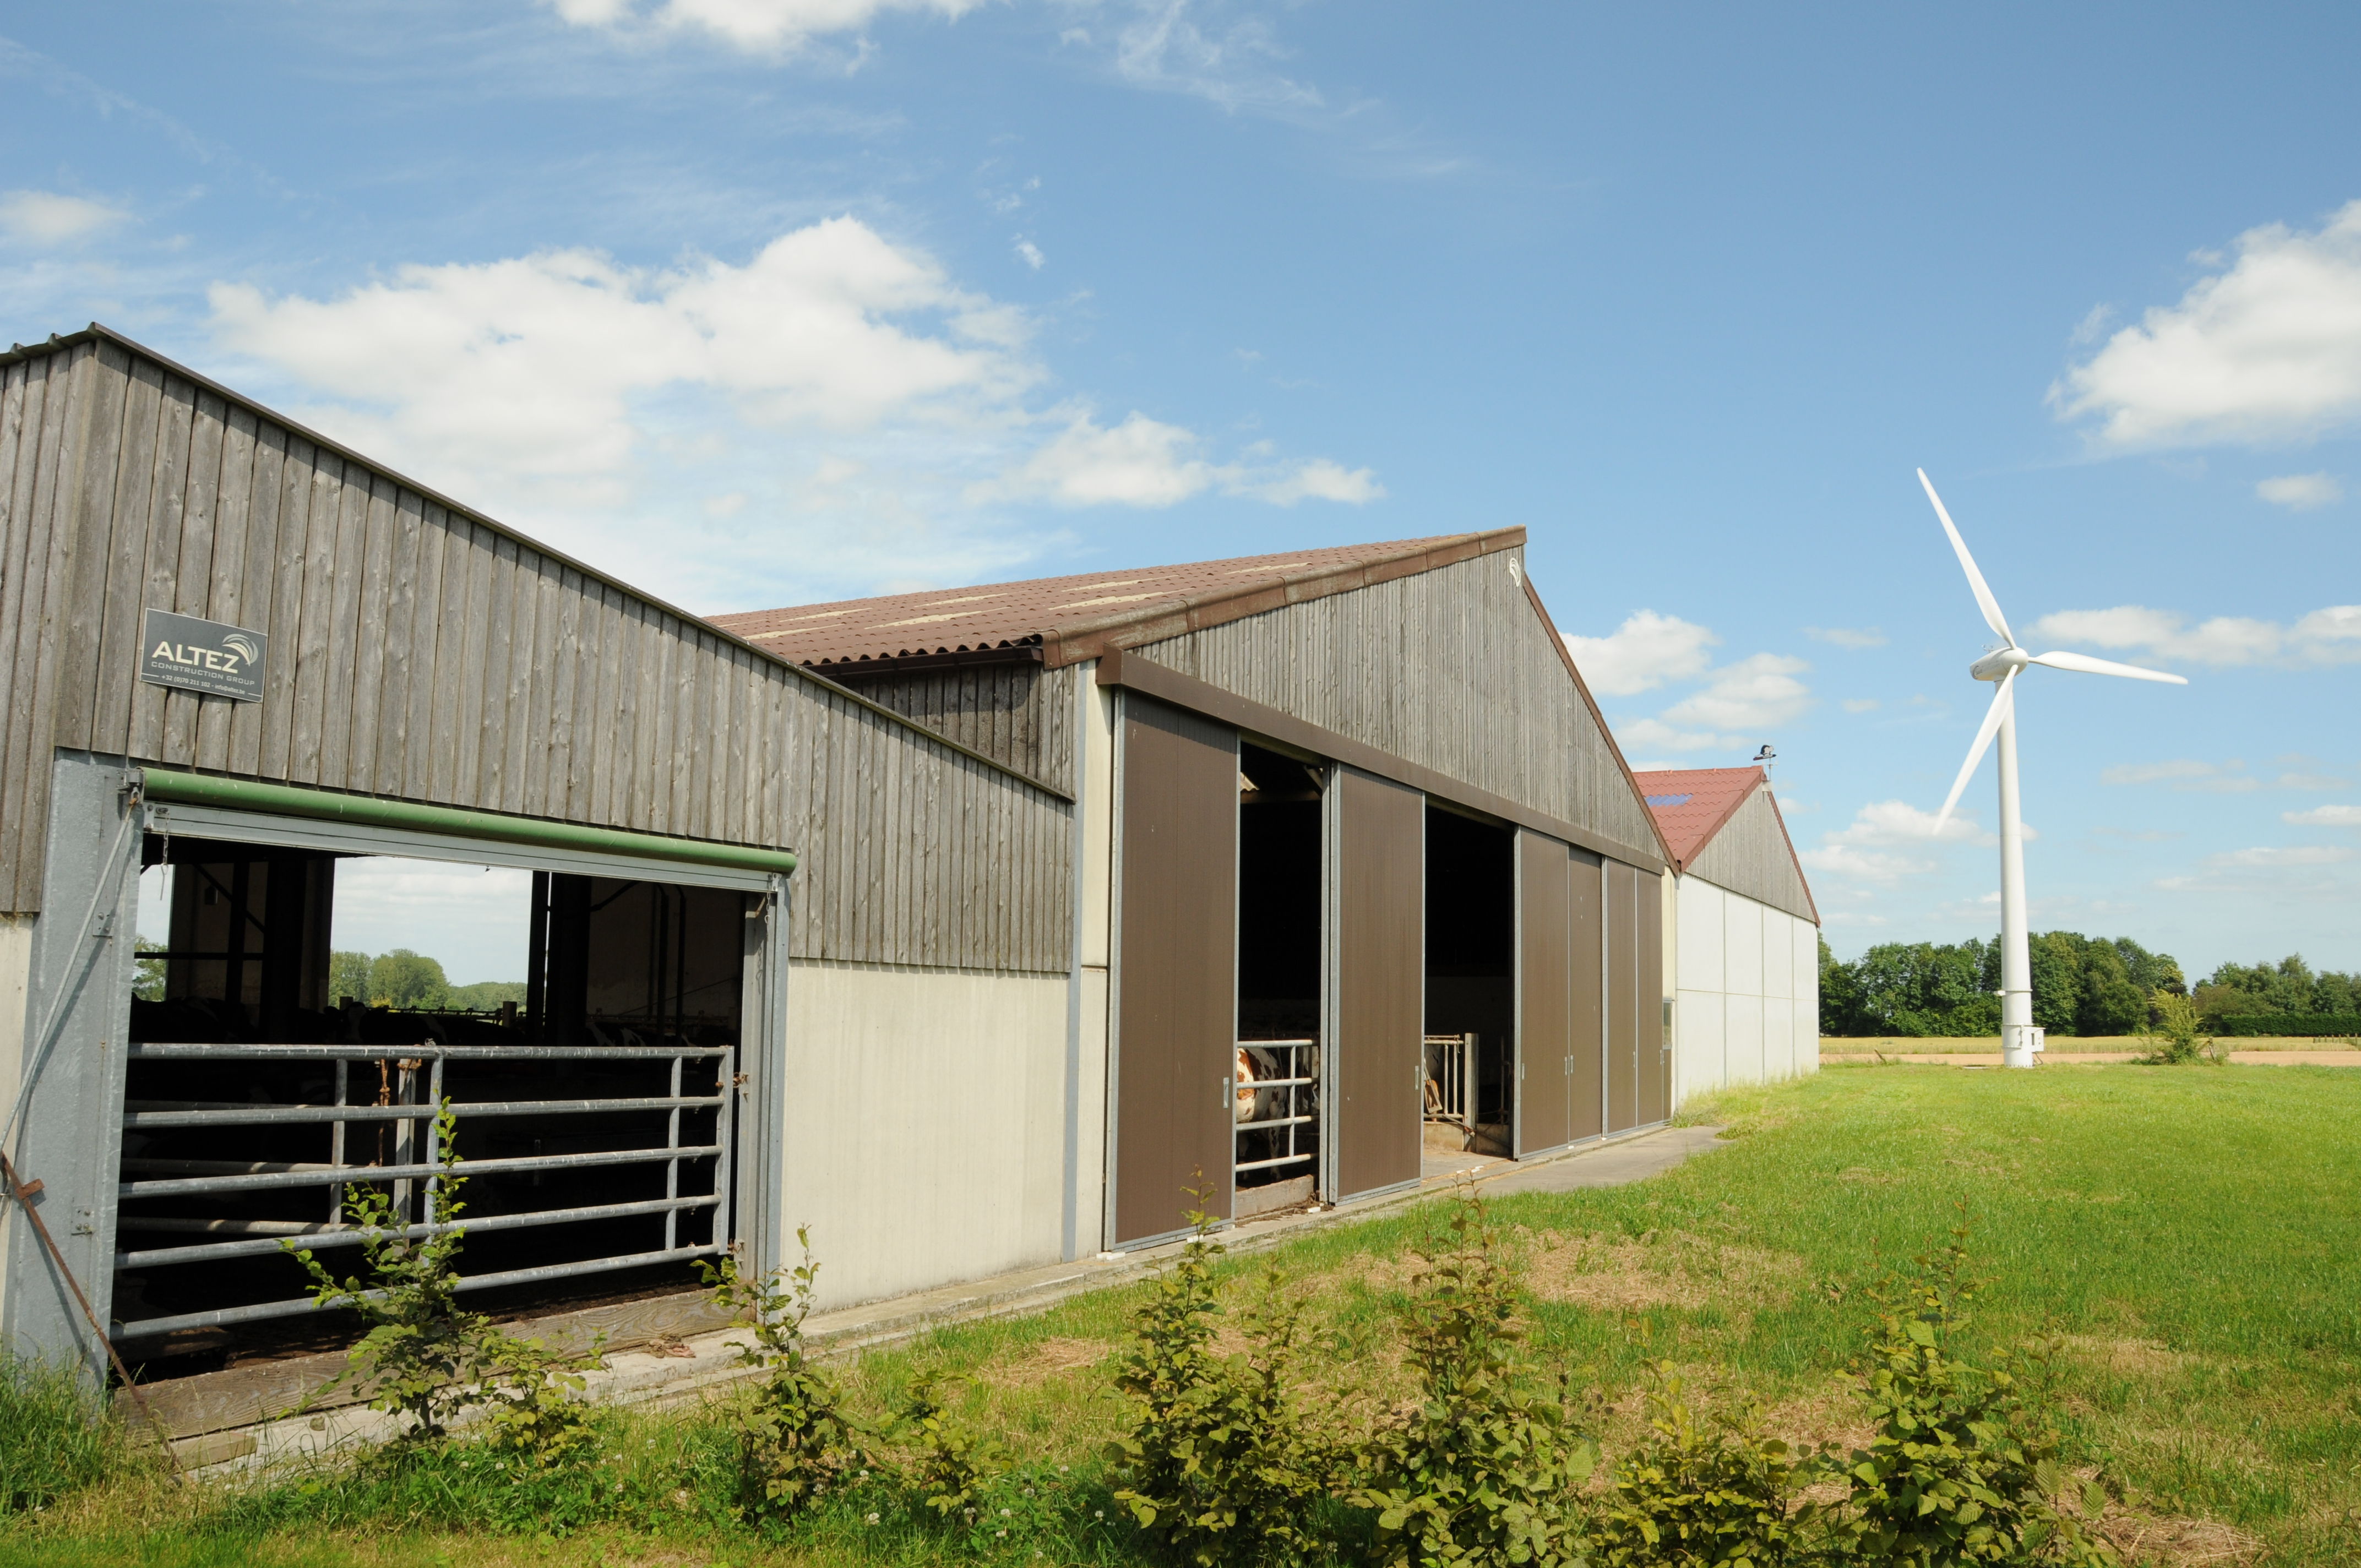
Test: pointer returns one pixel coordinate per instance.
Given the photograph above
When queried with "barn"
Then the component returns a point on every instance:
(1745, 932)
(926, 922)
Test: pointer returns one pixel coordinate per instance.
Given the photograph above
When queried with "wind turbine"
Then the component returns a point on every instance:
(2001, 667)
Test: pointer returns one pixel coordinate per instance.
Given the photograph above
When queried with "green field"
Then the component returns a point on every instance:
(2190, 1236)
(2058, 1045)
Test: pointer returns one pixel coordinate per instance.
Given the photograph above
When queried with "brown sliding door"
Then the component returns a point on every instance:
(1378, 886)
(1176, 968)
(1586, 939)
(1544, 1038)
(1622, 997)
(1655, 1059)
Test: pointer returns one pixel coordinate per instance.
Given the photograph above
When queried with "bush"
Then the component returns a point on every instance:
(1693, 1498)
(954, 1466)
(425, 1357)
(1961, 1471)
(798, 1439)
(56, 1436)
(2178, 1031)
(1483, 1469)
(1219, 1467)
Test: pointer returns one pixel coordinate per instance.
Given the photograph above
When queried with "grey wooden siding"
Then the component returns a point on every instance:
(1450, 669)
(419, 653)
(1750, 855)
(1018, 715)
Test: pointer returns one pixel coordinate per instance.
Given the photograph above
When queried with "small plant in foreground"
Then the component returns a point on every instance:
(1484, 1468)
(953, 1465)
(1220, 1467)
(1962, 1470)
(426, 1357)
(2178, 1031)
(1692, 1497)
(797, 1440)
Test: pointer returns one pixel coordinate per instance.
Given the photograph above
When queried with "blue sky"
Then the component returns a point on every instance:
(756, 301)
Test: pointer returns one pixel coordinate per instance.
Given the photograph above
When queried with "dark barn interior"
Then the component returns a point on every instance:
(255, 1099)
(1470, 982)
(1281, 954)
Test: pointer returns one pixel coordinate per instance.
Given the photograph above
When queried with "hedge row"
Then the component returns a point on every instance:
(2293, 1024)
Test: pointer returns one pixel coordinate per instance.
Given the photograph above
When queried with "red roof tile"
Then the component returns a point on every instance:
(1070, 618)
(1691, 804)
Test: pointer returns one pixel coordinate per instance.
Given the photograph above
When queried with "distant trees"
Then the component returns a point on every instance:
(412, 982)
(2081, 985)
(2234, 990)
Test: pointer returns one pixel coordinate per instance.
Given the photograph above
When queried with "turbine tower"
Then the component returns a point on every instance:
(2001, 667)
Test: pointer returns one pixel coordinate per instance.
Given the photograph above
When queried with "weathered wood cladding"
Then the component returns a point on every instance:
(1020, 715)
(1450, 669)
(1750, 854)
(419, 653)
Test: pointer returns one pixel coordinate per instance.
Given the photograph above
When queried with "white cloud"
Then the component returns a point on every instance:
(834, 413)
(1642, 654)
(2302, 492)
(44, 217)
(534, 366)
(1847, 637)
(2329, 636)
(1862, 865)
(763, 27)
(474, 919)
(1860, 705)
(1865, 849)
(1656, 732)
(1758, 692)
(2186, 774)
(2324, 816)
(2267, 350)
(1233, 66)
(2290, 855)
(1030, 254)
(1146, 462)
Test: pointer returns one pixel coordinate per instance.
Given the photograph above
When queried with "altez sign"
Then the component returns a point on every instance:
(202, 656)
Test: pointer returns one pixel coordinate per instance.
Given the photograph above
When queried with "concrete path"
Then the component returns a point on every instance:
(1635, 1159)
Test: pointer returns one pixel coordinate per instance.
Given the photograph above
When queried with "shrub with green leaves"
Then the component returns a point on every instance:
(1220, 1466)
(426, 1358)
(1963, 1469)
(797, 1440)
(1700, 1497)
(2178, 1031)
(1484, 1468)
(954, 1464)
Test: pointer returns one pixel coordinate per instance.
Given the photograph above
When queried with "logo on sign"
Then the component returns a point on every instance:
(192, 655)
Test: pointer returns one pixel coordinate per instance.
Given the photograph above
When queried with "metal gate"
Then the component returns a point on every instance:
(187, 1150)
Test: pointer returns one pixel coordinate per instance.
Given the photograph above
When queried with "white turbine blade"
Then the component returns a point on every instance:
(1984, 601)
(2090, 667)
(1984, 733)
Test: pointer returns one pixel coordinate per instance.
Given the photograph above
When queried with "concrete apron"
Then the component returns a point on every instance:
(704, 1364)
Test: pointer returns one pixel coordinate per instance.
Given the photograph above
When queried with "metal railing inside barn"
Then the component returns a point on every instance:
(1277, 1097)
(409, 1088)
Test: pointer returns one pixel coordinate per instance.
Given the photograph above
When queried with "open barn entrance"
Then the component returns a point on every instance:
(269, 1072)
(1471, 1001)
(1281, 953)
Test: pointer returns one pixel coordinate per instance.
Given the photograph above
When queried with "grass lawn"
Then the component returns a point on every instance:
(2191, 1236)
(2058, 1045)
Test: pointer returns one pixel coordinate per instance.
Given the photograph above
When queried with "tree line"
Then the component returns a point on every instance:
(412, 982)
(2081, 985)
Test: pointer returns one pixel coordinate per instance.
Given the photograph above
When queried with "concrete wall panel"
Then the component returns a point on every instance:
(924, 1142)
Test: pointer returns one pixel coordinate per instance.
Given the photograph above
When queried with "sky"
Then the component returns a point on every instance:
(756, 302)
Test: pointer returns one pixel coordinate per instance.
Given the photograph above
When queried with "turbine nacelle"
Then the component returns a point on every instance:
(1999, 666)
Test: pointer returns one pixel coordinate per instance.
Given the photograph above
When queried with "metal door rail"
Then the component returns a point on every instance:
(1297, 1115)
(251, 1177)
(1454, 1079)
(408, 1176)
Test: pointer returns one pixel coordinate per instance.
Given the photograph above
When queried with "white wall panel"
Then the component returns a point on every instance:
(1743, 945)
(16, 960)
(1743, 1047)
(1779, 955)
(1702, 1066)
(925, 1137)
(1701, 916)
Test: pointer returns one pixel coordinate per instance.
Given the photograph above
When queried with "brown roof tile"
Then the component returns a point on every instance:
(1691, 804)
(1076, 617)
